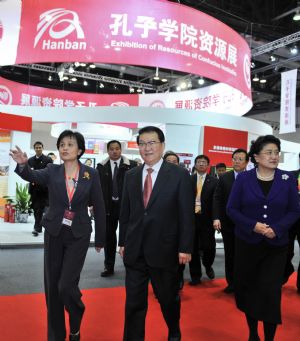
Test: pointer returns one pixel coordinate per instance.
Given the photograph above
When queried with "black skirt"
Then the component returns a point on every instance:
(258, 276)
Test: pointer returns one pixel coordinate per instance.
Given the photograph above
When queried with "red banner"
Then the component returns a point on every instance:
(149, 32)
(15, 122)
(220, 143)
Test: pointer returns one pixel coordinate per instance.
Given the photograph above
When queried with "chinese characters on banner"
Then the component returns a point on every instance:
(288, 102)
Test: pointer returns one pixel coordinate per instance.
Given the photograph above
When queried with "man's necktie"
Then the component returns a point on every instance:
(115, 193)
(198, 195)
(147, 187)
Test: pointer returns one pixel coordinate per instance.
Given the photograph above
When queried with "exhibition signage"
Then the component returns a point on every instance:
(149, 32)
(218, 98)
(288, 102)
(220, 143)
(15, 122)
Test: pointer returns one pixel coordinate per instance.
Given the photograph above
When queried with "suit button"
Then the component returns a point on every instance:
(265, 207)
(265, 216)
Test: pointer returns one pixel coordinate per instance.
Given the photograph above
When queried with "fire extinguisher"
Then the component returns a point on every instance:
(7, 208)
(12, 215)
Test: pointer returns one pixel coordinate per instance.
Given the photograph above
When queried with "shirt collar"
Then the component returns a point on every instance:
(155, 167)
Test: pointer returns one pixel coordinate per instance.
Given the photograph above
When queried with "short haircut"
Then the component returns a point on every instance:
(241, 150)
(73, 135)
(259, 144)
(38, 143)
(169, 153)
(202, 157)
(151, 129)
(111, 142)
(220, 165)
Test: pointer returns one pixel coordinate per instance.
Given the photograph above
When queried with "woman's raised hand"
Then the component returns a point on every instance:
(18, 155)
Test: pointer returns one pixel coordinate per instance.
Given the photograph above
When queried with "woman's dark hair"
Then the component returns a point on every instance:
(259, 144)
(73, 135)
(151, 129)
(169, 153)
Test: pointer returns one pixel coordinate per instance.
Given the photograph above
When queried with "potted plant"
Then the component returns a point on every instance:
(23, 202)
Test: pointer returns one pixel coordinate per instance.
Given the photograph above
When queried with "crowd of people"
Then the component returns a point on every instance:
(167, 218)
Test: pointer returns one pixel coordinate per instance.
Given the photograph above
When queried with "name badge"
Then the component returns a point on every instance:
(68, 218)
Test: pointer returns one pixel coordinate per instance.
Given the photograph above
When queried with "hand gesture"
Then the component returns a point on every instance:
(17, 154)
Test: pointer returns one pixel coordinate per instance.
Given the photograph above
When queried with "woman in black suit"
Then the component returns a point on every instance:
(263, 204)
(73, 187)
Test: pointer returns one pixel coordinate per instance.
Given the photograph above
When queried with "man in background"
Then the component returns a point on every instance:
(39, 194)
(204, 241)
(221, 221)
(112, 171)
(220, 169)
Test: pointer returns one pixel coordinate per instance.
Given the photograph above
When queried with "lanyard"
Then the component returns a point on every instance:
(71, 192)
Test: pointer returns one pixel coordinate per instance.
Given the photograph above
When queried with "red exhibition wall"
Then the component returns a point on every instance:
(219, 143)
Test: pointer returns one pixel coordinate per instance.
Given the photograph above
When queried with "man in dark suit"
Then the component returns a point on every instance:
(204, 240)
(39, 194)
(294, 234)
(112, 171)
(221, 221)
(156, 234)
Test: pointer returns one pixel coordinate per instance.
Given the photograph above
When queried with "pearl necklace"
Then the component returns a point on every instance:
(264, 178)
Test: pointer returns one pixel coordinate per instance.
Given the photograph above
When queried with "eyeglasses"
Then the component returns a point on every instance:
(270, 153)
(149, 144)
(240, 159)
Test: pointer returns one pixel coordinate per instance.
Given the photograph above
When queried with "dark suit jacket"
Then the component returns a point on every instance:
(87, 193)
(247, 205)
(220, 199)
(207, 193)
(166, 226)
(37, 191)
(105, 173)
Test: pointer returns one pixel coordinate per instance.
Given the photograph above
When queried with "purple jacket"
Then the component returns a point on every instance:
(247, 205)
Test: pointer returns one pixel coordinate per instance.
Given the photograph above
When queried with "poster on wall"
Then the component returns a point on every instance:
(186, 160)
(220, 143)
(4, 166)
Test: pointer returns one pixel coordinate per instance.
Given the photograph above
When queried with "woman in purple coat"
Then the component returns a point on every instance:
(263, 204)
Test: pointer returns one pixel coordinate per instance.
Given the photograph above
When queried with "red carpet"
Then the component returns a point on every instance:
(207, 315)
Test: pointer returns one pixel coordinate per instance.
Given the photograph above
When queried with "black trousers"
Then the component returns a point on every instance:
(38, 205)
(294, 234)
(64, 258)
(165, 285)
(204, 246)
(112, 221)
(228, 241)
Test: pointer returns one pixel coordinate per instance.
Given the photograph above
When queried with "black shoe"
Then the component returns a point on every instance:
(107, 273)
(210, 273)
(74, 337)
(229, 289)
(194, 281)
(35, 233)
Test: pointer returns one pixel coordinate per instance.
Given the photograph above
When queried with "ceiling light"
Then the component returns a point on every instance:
(71, 69)
(156, 77)
(272, 58)
(255, 79)
(66, 78)
(183, 85)
(85, 83)
(82, 64)
(178, 88)
(101, 85)
(263, 80)
(294, 50)
(131, 90)
(76, 64)
(92, 66)
(296, 17)
(201, 81)
(164, 80)
(50, 78)
(139, 90)
(73, 79)
(252, 65)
